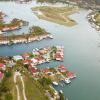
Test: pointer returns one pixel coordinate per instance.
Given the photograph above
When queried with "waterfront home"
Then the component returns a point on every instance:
(25, 55)
(19, 40)
(26, 62)
(47, 57)
(2, 66)
(40, 59)
(62, 69)
(44, 50)
(4, 42)
(70, 75)
(33, 69)
(34, 61)
(36, 52)
(59, 55)
(17, 57)
(46, 70)
(1, 76)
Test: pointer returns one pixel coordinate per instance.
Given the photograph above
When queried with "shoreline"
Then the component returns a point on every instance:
(92, 20)
(24, 39)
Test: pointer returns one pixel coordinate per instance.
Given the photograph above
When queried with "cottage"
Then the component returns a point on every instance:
(33, 69)
(70, 75)
(17, 57)
(2, 66)
(62, 69)
(40, 59)
(34, 61)
(25, 55)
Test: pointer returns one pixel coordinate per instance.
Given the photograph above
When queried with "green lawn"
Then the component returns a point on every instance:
(33, 91)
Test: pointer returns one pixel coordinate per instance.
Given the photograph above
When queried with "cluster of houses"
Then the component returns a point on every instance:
(22, 39)
(13, 25)
(39, 56)
(45, 55)
(93, 21)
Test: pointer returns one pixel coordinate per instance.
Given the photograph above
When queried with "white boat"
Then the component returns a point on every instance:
(61, 91)
(55, 83)
(67, 81)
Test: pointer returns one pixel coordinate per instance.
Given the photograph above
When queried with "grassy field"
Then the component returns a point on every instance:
(33, 91)
(59, 15)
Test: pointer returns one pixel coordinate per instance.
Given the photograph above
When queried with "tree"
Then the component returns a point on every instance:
(45, 81)
(8, 96)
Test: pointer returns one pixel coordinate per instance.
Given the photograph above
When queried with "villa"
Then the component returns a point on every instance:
(33, 69)
(2, 66)
(26, 55)
(17, 57)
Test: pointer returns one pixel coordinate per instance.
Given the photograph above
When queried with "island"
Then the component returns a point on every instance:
(13, 25)
(35, 34)
(59, 15)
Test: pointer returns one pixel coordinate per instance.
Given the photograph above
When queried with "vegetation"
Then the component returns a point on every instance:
(57, 15)
(6, 87)
(34, 89)
(34, 31)
(97, 17)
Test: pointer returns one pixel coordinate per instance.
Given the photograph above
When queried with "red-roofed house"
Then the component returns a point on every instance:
(26, 55)
(62, 69)
(40, 59)
(2, 66)
(70, 75)
(58, 57)
(25, 62)
(33, 69)
(46, 70)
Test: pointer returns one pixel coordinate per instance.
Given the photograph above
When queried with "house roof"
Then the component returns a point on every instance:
(2, 65)
(46, 70)
(33, 69)
(25, 55)
(17, 57)
(70, 74)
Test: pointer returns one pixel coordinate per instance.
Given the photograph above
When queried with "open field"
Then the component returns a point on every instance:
(59, 15)
(33, 90)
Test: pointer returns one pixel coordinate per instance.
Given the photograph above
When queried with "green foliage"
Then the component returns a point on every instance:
(8, 96)
(45, 81)
(8, 73)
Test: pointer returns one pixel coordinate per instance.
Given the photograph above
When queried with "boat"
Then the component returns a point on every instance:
(51, 36)
(55, 83)
(67, 81)
(61, 91)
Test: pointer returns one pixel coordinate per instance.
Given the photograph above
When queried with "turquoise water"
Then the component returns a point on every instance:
(82, 54)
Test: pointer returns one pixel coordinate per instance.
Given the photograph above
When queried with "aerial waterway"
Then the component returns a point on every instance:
(81, 48)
